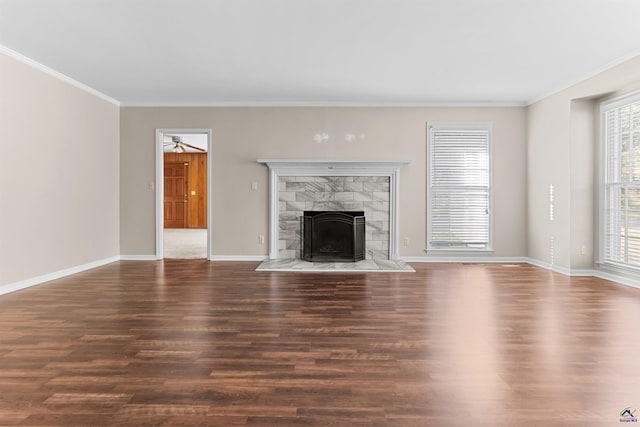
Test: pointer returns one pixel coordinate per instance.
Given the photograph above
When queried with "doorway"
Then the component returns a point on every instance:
(183, 178)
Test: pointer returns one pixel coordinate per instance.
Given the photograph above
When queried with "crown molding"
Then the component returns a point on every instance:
(40, 67)
(292, 104)
(592, 74)
(328, 104)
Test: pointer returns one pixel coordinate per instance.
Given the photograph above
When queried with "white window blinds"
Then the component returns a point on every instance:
(621, 217)
(459, 199)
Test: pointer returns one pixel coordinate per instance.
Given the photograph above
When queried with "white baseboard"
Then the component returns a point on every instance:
(138, 258)
(634, 283)
(581, 273)
(548, 266)
(238, 258)
(211, 258)
(559, 269)
(12, 287)
(474, 260)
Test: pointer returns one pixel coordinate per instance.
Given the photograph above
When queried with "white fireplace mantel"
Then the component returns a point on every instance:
(331, 167)
(278, 168)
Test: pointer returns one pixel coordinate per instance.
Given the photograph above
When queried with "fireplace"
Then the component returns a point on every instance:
(296, 186)
(330, 236)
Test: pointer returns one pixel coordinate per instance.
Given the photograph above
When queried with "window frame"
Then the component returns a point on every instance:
(605, 107)
(462, 126)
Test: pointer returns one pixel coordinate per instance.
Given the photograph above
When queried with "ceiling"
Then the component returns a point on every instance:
(196, 139)
(323, 52)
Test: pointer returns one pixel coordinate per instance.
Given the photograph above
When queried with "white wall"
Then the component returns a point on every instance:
(583, 183)
(548, 164)
(562, 143)
(59, 172)
(242, 135)
(75, 169)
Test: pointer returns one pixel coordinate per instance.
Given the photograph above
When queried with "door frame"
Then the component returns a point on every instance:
(160, 132)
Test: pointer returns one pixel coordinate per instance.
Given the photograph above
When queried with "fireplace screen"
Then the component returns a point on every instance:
(328, 236)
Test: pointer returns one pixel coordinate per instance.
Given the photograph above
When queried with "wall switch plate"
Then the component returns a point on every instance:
(406, 241)
(261, 239)
(152, 185)
(193, 192)
(583, 250)
(254, 185)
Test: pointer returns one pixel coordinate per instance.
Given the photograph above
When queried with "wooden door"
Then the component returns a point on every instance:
(176, 187)
(197, 178)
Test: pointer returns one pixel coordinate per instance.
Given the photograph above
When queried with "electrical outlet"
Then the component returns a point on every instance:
(152, 185)
(406, 241)
(583, 250)
(261, 239)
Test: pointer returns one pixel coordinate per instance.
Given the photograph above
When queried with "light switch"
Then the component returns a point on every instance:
(152, 185)
(193, 192)
(254, 185)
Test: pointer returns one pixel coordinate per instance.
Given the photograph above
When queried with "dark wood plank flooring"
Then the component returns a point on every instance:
(213, 343)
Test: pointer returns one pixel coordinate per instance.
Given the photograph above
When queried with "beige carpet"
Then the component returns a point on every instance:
(185, 243)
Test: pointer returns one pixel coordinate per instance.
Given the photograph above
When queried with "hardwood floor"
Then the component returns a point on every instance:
(189, 342)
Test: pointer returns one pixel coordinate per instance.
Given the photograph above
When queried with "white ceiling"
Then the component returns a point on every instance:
(323, 52)
(196, 139)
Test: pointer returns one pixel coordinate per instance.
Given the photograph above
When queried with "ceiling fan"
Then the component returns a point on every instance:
(179, 146)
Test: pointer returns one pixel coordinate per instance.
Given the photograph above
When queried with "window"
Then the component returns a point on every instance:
(620, 182)
(459, 186)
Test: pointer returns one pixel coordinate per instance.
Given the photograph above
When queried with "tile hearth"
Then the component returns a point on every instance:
(368, 265)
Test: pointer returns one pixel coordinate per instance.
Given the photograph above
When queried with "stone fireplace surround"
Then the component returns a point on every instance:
(298, 185)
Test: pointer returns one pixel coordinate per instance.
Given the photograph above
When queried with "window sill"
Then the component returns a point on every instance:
(458, 251)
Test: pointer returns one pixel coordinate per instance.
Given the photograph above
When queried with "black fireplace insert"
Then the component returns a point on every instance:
(329, 236)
